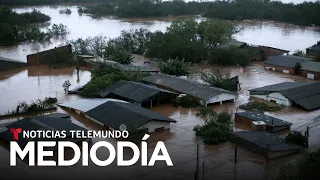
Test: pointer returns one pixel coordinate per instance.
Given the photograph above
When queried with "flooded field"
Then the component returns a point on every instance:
(32, 83)
(278, 35)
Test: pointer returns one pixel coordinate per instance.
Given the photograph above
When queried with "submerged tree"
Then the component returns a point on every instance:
(219, 79)
(175, 67)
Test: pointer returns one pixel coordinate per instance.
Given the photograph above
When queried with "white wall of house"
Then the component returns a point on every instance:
(276, 97)
(153, 125)
(221, 98)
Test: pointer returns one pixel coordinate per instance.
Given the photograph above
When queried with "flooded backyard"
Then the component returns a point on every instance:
(32, 83)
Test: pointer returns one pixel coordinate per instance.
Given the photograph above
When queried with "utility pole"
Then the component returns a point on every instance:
(235, 162)
(202, 170)
(197, 168)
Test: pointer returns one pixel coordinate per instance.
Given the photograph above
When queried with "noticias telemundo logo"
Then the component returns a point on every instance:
(36, 150)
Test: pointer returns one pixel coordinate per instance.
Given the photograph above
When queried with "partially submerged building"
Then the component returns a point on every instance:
(41, 123)
(272, 124)
(305, 95)
(137, 93)
(263, 143)
(7, 63)
(284, 63)
(232, 43)
(265, 52)
(112, 114)
(204, 93)
(310, 70)
(314, 51)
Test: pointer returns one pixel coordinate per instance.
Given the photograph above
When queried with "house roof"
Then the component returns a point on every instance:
(311, 66)
(114, 114)
(135, 91)
(276, 87)
(230, 43)
(85, 105)
(306, 95)
(263, 139)
(257, 116)
(285, 60)
(192, 88)
(11, 60)
(57, 115)
(315, 47)
(130, 67)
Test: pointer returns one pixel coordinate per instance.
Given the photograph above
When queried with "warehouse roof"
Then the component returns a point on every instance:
(85, 105)
(135, 91)
(114, 114)
(269, 120)
(285, 60)
(311, 66)
(185, 86)
(263, 139)
(278, 87)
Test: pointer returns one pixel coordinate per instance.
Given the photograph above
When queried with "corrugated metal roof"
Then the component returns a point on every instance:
(311, 66)
(262, 139)
(85, 105)
(185, 86)
(114, 114)
(286, 61)
(134, 91)
(276, 87)
(11, 60)
(256, 116)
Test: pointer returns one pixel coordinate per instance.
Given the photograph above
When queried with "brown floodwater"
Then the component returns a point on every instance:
(38, 82)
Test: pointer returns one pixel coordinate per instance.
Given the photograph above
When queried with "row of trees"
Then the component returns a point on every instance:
(41, 2)
(16, 28)
(305, 13)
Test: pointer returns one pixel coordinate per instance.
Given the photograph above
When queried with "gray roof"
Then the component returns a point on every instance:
(306, 95)
(114, 114)
(311, 66)
(57, 115)
(315, 47)
(11, 60)
(262, 139)
(85, 105)
(286, 61)
(134, 91)
(231, 43)
(192, 88)
(256, 116)
(276, 88)
(130, 67)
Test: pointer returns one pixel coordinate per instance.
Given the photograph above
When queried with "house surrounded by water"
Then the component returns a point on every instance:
(113, 114)
(301, 94)
(204, 93)
(314, 50)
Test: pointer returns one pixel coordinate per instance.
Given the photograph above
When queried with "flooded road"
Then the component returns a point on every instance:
(278, 35)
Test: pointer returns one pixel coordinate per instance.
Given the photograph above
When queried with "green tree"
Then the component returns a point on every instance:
(219, 79)
(175, 67)
(299, 53)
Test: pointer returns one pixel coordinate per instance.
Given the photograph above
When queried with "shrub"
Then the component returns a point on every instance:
(297, 68)
(65, 11)
(175, 67)
(220, 80)
(58, 30)
(186, 102)
(50, 100)
(114, 52)
(299, 53)
(296, 138)
(260, 107)
(205, 112)
(215, 130)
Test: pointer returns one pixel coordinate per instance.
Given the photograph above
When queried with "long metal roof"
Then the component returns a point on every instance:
(269, 120)
(286, 60)
(184, 86)
(85, 105)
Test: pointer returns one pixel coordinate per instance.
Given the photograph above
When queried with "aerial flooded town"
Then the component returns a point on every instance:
(152, 89)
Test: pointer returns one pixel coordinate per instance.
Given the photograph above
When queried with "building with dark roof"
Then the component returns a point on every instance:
(232, 43)
(272, 124)
(135, 92)
(269, 145)
(6, 63)
(204, 93)
(305, 95)
(41, 123)
(310, 70)
(284, 63)
(112, 113)
(314, 50)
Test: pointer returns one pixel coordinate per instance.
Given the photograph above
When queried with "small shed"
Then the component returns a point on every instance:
(272, 124)
(263, 143)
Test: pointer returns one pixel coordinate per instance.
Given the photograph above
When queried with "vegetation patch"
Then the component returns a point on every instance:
(304, 168)
(220, 80)
(104, 75)
(205, 112)
(58, 30)
(260, 107)
(175, 67)
(186, 102)
(296, 138)
(217, 128)
(65, 11)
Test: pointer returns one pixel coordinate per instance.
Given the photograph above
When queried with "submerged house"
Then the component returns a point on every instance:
(204, 93)
(6, 64)
(305, 95)
(112, 114)
(264, 52)
(314, 50)
(284, 63)
(137, 93)
(272, 124)
(232, 43)
(269, 145)
(48, 122)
